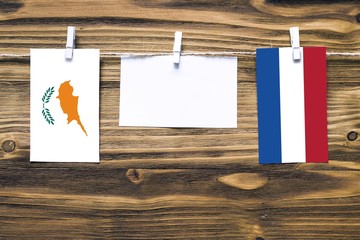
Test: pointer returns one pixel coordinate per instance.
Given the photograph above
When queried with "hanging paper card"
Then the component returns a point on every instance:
(64, 124)
(198, 92)
(292, 118)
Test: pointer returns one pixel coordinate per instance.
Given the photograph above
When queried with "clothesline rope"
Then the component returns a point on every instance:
(119, 54)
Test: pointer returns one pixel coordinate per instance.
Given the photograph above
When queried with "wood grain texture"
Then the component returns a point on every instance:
(166, 183)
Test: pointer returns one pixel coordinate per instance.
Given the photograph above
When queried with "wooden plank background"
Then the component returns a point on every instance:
(179, 183)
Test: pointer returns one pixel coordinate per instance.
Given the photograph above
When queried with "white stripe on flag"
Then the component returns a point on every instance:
(292, 110)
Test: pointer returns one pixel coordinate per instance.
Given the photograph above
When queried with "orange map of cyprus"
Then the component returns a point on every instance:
(69, 103)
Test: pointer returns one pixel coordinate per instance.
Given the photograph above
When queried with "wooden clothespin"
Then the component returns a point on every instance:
(295, 42)
(177, 47)
(70, 43)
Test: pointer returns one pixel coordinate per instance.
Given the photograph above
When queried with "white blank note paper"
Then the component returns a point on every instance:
(199, 92)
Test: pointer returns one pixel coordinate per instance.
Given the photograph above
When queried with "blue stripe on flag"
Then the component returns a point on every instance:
(268, 92)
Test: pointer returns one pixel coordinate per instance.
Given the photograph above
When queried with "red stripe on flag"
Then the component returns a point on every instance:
(315, 88)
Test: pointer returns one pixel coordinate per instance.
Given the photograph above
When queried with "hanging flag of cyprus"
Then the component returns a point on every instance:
(64, 108)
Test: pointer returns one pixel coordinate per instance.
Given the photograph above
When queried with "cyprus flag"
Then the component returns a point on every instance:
(64, 108)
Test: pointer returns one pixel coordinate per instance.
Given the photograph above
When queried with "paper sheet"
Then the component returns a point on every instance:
(64, 124)
(200, 92)
(292, 102)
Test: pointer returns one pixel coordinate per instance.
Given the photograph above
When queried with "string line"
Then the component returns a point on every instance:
(129, 54)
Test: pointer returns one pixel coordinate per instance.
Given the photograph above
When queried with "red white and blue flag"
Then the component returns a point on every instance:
(292, 116)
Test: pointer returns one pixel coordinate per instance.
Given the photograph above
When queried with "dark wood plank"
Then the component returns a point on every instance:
(186, 147)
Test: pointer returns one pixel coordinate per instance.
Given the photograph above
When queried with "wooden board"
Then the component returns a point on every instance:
(179, 183)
